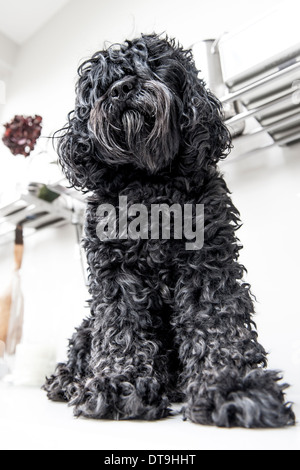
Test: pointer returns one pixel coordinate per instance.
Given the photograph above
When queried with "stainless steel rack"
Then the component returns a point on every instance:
(274, 101)
(36, 214)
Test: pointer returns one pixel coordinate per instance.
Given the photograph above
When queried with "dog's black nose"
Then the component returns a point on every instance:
(123, 88)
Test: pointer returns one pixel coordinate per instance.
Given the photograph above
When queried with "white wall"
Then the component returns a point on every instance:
(8, 55)
(43, 83)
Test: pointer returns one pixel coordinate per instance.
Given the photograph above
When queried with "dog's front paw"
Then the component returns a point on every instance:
(58, 384)
(116, 398)
(256, 401)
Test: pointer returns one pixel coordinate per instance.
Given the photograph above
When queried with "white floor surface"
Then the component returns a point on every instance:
(30, 422)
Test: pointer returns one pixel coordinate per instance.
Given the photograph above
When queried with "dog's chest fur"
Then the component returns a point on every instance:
(155, 260)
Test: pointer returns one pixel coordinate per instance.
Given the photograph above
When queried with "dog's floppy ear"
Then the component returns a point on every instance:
(205, 136)
(75, 148)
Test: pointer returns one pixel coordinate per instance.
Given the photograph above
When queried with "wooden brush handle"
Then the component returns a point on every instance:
(6, 299)
(19, 247)
(19, 250)
(5, 307)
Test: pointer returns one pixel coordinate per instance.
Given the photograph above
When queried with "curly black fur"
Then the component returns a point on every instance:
(166, 323)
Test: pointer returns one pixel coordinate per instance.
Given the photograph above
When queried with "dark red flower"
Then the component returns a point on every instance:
(22, 133)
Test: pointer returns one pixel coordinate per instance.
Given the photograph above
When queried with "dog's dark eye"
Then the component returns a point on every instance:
(141, 50)
(196, 101)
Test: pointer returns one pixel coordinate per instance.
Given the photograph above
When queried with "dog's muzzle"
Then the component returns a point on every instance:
(136, 122)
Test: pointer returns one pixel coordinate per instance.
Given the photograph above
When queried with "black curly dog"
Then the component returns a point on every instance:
(166, 323)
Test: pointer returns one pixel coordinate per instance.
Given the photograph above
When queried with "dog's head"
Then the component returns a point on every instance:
(141, 105)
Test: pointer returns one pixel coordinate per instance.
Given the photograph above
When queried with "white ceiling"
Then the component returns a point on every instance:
(20, 19)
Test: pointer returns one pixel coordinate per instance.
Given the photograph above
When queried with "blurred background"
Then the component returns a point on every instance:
(249, 55)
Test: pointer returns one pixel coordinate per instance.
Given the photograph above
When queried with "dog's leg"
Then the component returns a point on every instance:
(128, 370)
(67, 378)
(224, 377)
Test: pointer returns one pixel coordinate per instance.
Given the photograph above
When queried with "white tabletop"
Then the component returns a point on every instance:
(30, 422)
